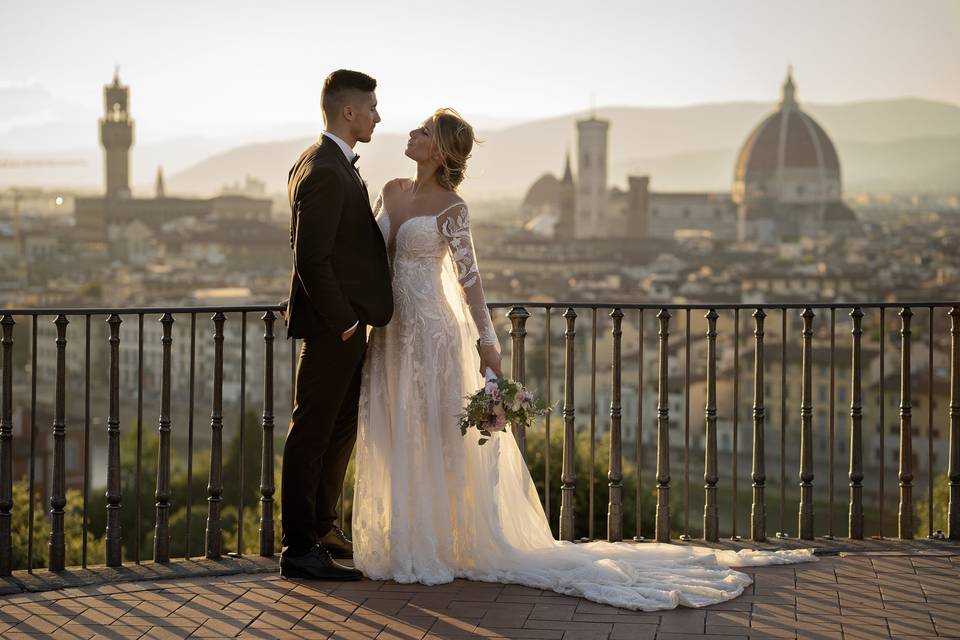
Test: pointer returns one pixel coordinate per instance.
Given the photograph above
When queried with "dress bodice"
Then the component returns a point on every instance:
(415, 238)
(416, 249)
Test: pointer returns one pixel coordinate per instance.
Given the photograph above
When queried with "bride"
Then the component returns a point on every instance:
(431, 505)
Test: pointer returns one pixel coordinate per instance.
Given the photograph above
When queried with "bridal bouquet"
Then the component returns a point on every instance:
(500, 402)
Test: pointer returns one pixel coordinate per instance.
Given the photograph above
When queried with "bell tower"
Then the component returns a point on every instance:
(116, 136)
(591, 194)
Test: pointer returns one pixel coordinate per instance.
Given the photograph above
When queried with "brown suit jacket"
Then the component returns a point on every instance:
(339, 273)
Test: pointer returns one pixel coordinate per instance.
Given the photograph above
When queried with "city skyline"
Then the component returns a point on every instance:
(239, 69)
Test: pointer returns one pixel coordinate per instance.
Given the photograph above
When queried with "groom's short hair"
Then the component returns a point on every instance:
(338, 85)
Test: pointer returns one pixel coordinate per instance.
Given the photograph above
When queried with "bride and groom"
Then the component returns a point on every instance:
(430, 505)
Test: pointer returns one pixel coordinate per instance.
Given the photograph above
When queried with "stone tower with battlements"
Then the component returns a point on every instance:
(116, 136)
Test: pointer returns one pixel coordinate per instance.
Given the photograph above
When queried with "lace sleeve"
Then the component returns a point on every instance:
(454, 226)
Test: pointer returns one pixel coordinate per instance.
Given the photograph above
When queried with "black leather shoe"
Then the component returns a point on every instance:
(337, 544)
(316, 564)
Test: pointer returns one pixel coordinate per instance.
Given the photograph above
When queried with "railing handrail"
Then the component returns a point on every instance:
(102, 311)
(706, 306)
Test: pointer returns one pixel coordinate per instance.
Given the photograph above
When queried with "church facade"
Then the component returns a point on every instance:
(787, 185)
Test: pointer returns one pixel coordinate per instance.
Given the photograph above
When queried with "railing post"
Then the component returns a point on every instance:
(214, 538)
(6, 449)
(855, 525)
(615, 506)
(569, 444)
(663, 435)
(267, 534)
(58, 499)
(806, 431)
(518, 331)
(710, 525)
(161, 534)
(113, 533)
(953, 511)
(905, 513)
(758, 510)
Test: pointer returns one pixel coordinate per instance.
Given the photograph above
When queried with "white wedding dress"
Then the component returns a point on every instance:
(431, 505)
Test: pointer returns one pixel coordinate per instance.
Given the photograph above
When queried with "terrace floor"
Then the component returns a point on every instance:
(874, 589)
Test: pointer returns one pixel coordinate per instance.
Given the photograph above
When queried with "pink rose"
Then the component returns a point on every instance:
(526, 398)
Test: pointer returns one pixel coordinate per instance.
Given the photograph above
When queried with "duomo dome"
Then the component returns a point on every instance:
(788, 157)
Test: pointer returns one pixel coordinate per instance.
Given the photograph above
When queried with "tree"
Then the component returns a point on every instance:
(536, 461)
(73, 529)
(941, 500)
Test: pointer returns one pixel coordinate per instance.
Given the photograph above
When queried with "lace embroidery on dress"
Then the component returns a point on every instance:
(454, 226)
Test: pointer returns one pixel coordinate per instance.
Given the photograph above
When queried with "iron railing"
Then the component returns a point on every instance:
(113, 533)
(519, 315)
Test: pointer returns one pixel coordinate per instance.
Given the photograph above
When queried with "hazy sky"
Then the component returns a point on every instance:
(218, 67)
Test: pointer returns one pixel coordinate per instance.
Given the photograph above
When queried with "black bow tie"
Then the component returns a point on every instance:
(356, 157)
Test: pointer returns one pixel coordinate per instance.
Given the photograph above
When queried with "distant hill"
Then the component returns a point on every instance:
(913, 164)
(906, 144)
(883, 144)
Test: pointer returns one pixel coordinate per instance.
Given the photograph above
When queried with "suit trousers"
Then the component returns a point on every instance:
(322, 433)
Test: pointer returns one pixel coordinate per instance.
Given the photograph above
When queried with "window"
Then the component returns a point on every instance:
(72, 456)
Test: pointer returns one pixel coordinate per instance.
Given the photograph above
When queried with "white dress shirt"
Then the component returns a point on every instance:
(349, 154)
(347, 151)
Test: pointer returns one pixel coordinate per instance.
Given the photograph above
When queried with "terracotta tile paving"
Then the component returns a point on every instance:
(846, 597)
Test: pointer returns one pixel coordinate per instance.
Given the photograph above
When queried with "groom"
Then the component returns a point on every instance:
(340, 283)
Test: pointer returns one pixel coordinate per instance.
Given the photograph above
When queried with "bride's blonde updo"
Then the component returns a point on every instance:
(454, 139)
